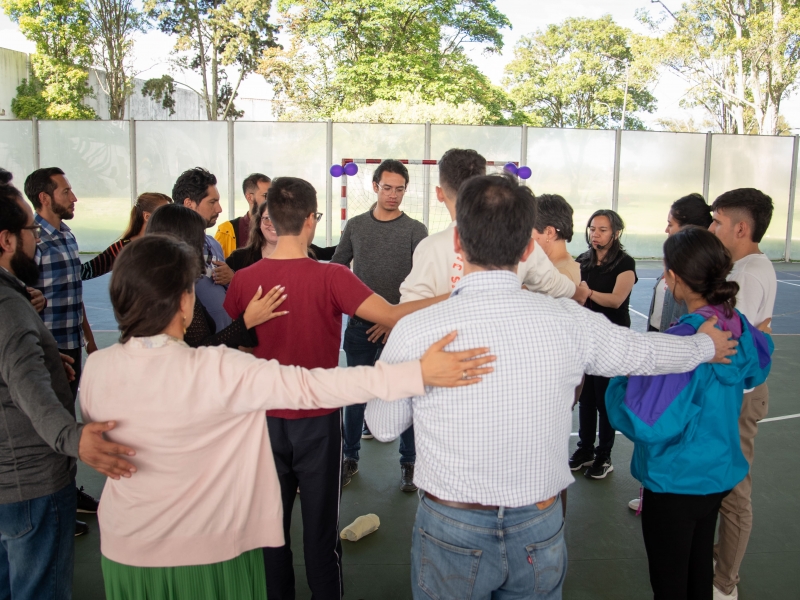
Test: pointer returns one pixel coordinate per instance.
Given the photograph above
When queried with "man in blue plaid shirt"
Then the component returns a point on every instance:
(60, 280)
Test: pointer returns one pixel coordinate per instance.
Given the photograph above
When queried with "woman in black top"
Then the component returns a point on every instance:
(263, 240)
(188, 226)
(610, 274)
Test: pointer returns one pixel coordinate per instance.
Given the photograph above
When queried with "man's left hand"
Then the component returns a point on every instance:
(222, 273)
(37, 299)
(377, 331)
(91, 346)
(68, 362)
(104, 456)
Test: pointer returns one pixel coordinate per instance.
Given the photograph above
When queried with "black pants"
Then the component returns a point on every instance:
(678, 531)
(592, 404)
(308, 454)
(75, 354)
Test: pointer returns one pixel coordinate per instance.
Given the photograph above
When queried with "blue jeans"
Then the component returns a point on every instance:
(504, 554)
(37, 547)
(361, 352)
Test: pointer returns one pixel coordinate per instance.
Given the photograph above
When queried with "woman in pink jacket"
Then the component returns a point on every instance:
(191, 522)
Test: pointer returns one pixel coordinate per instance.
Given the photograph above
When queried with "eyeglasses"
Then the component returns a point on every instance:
(400, 190)
(266, 220)
(317, 216)
(36, 230)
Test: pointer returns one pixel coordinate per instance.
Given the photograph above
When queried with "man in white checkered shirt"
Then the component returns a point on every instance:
(492, 458)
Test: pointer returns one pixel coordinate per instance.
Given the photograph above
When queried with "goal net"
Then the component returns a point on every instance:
(419, 201)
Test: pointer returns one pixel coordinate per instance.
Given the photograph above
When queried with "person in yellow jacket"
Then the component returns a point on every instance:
(234, 234)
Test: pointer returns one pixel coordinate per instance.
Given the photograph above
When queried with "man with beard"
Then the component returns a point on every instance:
(40, 439)
(197, 189)
(60, 281)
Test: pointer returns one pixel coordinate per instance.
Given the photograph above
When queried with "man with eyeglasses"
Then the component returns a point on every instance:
(380, 243)
(40, 439)
(235, 234)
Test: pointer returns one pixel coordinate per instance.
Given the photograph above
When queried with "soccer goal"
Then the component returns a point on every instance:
(419, 202)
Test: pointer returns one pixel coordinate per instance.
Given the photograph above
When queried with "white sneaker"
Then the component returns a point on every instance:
(718, 595)
(634, 504)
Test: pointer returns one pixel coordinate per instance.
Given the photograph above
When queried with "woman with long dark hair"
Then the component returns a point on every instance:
(610, 274)
(189, 227)
(664, 309)
(685, 428)
(145, 205)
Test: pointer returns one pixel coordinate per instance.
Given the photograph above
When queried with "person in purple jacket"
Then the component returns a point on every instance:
(684, 427)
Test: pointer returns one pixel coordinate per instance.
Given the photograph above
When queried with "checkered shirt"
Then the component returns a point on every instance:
(60, 282)
(504, 441)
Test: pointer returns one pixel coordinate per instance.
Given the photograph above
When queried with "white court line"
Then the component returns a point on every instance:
(789, 283)
(783, 418)
(636, 312)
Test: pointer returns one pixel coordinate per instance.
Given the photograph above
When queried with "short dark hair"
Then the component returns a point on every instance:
(753, 205)
(289, 201)
(495, 217)
(700, 259)
(41, 180)
(457, 165)
(251, 182)
(150, 275)
(554, 211)
(183, 223)
(12, 217)
(691, 210)
(193, 184)
(390, 166)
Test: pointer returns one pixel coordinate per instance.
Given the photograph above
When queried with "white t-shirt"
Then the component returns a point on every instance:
(437, 269)
(757, 287)
(658, 303)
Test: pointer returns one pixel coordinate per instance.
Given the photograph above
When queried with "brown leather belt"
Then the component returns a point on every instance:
(475, 506)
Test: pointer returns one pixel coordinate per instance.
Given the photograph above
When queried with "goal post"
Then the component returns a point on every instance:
(419, 202)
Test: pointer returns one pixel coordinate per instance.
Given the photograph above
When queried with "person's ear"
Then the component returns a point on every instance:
(146, 216)
(188, 203)
(528, 250)
(8, 242)
(440, 196)
(375, 187)
(742, 229)
(45, 200)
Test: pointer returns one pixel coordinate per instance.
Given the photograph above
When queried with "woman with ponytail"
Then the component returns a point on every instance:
(685, 427)
(140, 213)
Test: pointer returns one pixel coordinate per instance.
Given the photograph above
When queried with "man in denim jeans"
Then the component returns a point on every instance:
(381, 244)
(493, 456)
(39, 437)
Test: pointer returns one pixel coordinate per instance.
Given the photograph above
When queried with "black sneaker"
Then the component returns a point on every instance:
(600, 468)
(81, 528)
(366, 434)
(582, 457)
(86, 504)
(407, 477)
(349, 468)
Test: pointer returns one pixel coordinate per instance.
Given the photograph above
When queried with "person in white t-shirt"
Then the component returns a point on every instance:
(437, 267)
(741, 218)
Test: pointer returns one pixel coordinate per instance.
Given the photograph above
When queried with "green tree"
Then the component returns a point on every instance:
(740, 57)
(352, 53)
(112, 24)
(58, 85)
(581, 73)
(212, 37)
(412, 108)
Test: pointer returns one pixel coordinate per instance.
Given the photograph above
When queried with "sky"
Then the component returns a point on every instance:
(526, 16)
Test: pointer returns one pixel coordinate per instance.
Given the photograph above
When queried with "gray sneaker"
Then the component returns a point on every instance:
(349, 468)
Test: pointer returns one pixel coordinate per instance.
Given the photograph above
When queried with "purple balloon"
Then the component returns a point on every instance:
(524, 172)
(351, 169)
(337, 170)
(511, 168)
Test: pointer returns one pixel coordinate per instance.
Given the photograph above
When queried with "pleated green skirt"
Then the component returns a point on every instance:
(241, 578)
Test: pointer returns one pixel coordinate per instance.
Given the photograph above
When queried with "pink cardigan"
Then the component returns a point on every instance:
(206, 489)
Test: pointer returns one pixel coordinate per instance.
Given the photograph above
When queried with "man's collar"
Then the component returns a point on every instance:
(47, 227)
(484, 280)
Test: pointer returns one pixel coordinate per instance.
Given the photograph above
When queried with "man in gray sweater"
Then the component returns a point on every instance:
(39, 437)
(381, 244)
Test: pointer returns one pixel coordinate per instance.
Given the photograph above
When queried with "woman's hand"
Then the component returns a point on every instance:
(765, 326)
(260, 310)
(453, 369)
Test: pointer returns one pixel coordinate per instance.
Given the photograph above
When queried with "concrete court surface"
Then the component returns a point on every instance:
(606, 555)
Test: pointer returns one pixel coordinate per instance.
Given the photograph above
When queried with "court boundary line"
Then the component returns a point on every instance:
(768, 420)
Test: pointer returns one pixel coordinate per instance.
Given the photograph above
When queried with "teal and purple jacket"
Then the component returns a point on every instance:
(685, 427)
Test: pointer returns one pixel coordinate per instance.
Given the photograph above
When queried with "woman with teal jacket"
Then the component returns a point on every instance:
(685, 427)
